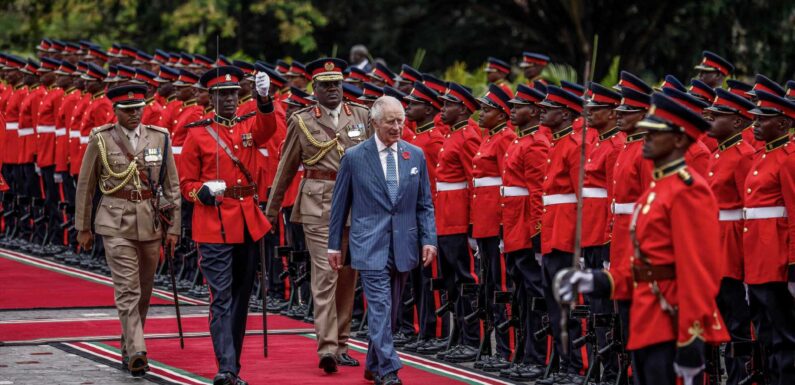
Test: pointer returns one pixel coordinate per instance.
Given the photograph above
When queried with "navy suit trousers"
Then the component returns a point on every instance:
(383, 290)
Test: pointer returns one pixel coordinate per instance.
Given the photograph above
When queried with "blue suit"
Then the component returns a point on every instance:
(385, 236)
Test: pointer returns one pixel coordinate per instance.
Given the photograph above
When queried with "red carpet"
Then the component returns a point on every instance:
(41, 331)
(33, 283)
(292, 361)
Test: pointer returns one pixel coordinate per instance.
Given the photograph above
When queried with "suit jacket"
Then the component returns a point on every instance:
(119, 217)
(313, 203)
(378, 226)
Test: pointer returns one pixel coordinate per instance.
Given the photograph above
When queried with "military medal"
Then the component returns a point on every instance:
(248, 140)
(355, 130)
(152, 155)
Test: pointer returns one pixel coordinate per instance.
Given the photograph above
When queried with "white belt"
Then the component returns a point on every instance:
(12, 125)
(511, 191)
(45, 129)
(60, 132)
(25, 132)
(765, 212)
(176, 150)
(559, 199)
(450, 186)
(264, 152)
(623, 208)
(488, 181)
(594, 192)
(74, 134)
(83, 139)
(730, 215)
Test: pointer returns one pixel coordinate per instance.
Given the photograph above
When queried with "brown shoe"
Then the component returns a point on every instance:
(138, 364)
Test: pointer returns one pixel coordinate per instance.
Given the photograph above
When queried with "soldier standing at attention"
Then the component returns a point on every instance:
(124, 160)
(316, 138)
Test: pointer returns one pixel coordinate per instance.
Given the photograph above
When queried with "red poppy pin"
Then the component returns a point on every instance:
(406, 155)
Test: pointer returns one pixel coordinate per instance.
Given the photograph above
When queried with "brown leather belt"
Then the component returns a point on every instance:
(237, 192)
(651, 273)
(320, 174)
(133, 195)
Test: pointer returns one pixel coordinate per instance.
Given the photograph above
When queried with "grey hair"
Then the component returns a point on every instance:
(360, 48)
(377, 110)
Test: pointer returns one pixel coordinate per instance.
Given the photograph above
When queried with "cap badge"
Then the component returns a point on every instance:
(228, 77)
(652, 109)
(130, 95)
(328, 66)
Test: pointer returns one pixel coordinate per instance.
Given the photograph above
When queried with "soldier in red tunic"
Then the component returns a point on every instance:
(769, 233)
(532, 65)
(423, 105)
(675, 235)
(729, 115)
(522, 176)
(453, 186)
(227, 222)
(558, 216)
(697, 156)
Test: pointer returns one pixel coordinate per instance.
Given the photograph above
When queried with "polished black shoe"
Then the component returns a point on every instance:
(369, 376)
(463, 354)
(225, 378)
(555, 379)
(399, 339)
(328, 363)
(484, 360)
(497, 363)
(432, 346)
(444, 353)
(528, 373)
(138, 364)
(412, 346)
(345, 360)
(240, 381)
(391, 379)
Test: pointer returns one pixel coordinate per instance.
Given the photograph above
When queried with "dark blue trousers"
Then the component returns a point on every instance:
(230, 270)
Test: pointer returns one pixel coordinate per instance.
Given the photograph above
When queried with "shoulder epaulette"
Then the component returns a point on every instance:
(305, 109)
(157, 128)
(199, 123)
(685, 176)
(354, 104)
(102, 128)
(246, 116)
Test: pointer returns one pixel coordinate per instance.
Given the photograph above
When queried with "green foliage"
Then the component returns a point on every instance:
(296, 20)
(419, 57)
(556, 72)
(613, 73)
(476, 79)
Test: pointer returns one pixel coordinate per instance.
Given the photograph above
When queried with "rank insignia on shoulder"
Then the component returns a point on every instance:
(248, 139)
(152, 155)
(355, 130)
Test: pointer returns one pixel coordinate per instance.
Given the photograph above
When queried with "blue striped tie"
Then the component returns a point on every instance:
(391, 175)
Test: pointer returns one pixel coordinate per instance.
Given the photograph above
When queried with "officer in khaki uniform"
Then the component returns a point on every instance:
(317, 137)
(124, 159)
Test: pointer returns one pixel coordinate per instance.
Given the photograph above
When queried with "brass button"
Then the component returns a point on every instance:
(239, 181)
(745, 229)
(756, 172)
(236, 147)
(474, 196)
(749, 190)
(241, 199)
(717, 156)
(549, 160)
(711, 173)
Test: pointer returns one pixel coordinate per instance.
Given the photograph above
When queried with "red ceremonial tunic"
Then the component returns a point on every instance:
(525, 167)
(189, 112)
(62, 119)
(769, 243)
(76, 138)
(12, 108)
(487, 166)
(28, 113)
(430, 141)
(726, 177)
(697, 157)
(677, 224)
(267, 153)
(454, 169)
(153, 113)
(599, 167)
(631, 177)
(98, 112)
(46, 130)
(440, 126)
(559, 215)
(171, 111)
(198, 165)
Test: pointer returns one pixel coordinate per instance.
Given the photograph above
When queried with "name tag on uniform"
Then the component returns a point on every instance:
(356, 130)
(152, 155)
(248, 139)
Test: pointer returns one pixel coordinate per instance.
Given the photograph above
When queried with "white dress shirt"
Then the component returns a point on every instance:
(382, 154)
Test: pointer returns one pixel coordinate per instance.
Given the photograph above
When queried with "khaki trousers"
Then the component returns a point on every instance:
(132, 265)
(332, 293)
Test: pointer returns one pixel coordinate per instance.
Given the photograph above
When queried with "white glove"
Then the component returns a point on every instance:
(688, 374)
(606, 265)
(567, 280)
(57, 177)
(473, 244)
(791, 288)
(538, 258)
(38, 170)
(502, 246)
(217, 187)
(263, 83)
(581, 263)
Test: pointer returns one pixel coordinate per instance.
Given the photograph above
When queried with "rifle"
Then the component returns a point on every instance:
(264, 287)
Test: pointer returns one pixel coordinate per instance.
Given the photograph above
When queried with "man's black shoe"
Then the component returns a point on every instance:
(345, 360)
(527, 373)
(463, 354)
(432, 346)
(369, 376)
(496, 364)
(240, 382)
(391, 379)
(399, 339)
(412, 346)
(483, 361)
(444, 353)
(328, 363)
(138, 364)
(224, 378)
(556, 379)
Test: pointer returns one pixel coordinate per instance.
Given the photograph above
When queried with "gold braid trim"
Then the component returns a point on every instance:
(131, 173)
(324, 147)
